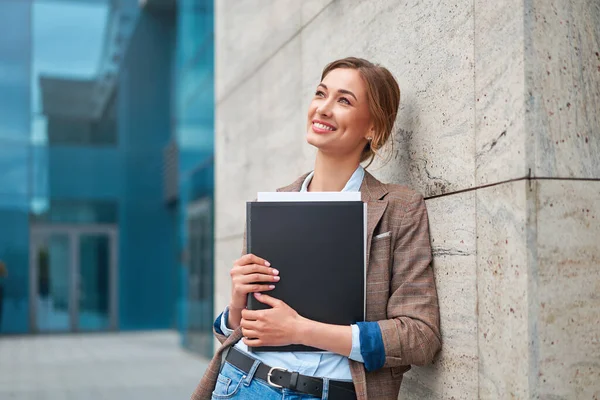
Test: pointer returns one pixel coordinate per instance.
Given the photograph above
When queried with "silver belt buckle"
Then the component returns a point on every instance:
(270, 374)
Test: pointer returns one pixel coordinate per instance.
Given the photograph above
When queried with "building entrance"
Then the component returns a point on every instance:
(73, 284)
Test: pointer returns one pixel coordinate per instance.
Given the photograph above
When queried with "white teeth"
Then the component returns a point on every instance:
(322, 126)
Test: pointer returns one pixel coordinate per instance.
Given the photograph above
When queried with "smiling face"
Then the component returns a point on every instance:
(339, 120)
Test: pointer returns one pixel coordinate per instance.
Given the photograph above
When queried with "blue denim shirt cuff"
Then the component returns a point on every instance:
(371, 345)
(220, 324)
(355, 353)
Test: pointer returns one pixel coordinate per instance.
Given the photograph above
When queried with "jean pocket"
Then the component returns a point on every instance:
(228, 382)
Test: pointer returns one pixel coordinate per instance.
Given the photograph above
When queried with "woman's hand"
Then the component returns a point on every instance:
(250, 274)
(277, 326)
(281, 325)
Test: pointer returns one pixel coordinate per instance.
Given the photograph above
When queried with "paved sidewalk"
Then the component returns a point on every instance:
(115, 366)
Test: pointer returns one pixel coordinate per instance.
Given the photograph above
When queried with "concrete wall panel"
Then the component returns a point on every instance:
(502, 287)
(454, 372)
(563, 87)
(248, 33)
(492, 96)
(566, 340)
(500, 136)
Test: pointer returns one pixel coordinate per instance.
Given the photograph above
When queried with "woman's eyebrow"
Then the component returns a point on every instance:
(341, 91)
(347, 92)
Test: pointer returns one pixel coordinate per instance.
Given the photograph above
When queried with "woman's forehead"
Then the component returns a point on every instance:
(345, 78)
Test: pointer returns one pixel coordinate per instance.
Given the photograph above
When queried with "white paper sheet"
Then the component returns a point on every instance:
(308, 196)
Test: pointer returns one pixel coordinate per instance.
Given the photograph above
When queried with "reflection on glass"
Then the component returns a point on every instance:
(200, 287)
(78, 212)
(94, 267)
(14, 168)
(52, 300)
(15, 59)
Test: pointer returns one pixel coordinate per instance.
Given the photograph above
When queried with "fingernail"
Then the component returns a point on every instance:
(275, 272)
(256, 294)
(268, 264)
(277, 278)
(271, 286)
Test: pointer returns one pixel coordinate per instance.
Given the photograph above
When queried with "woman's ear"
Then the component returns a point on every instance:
(370, 134)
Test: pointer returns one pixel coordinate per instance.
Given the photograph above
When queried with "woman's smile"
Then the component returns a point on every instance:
(322, 127)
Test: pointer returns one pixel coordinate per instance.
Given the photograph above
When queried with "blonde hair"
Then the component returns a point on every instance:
(383, 96)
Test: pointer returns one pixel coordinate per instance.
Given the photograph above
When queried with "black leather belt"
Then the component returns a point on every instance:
(282, 378)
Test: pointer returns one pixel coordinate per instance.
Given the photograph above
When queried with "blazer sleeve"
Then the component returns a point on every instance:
(411, 335)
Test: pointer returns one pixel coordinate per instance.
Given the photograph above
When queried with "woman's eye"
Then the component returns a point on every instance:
(319, 93)
(344, 100)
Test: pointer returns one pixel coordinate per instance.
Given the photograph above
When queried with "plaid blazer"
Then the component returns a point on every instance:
(401, 293)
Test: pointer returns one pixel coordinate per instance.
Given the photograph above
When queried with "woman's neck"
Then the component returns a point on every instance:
(331, 174)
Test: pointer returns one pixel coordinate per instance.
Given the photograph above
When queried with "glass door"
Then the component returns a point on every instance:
(200, 287)
(51, 272)
(73, 278)
(93, 282)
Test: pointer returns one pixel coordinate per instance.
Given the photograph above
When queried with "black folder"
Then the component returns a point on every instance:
(319, 250)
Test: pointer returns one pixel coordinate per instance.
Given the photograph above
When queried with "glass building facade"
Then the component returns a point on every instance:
(194, 116)
(106, 166)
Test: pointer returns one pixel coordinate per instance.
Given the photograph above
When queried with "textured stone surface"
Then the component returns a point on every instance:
(537, 88)
(235, 119)
(432, 58)
(311, 8)
(502, 289)
(259, 138)
(489, 94)
(500, 136)
(454, 372)
(566, 310)
(247, 35)
(563, 84)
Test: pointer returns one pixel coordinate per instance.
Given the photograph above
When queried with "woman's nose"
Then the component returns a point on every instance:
(324, 109)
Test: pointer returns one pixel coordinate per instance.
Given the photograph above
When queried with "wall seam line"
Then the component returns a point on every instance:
(540, 178)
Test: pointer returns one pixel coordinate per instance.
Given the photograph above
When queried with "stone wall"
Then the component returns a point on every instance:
(499, 128)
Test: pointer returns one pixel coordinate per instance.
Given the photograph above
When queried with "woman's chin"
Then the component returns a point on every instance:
(314, 140)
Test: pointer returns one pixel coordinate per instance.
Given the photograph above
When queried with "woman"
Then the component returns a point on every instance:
(349, 119)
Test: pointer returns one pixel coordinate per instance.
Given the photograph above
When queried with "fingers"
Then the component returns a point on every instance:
(251, 259)
(253, 278)
(249, 324)
(253, 288)
(257, 278)
(250, 329)
(251, 274)
(251, 315)
(250, 333)
(254, 269)
(252, 342)
(268, 300)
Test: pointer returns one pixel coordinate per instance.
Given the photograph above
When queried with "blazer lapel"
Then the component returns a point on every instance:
(372, 192)
(296, 186)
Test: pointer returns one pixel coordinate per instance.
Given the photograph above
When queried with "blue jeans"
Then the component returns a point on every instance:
(233, 383)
